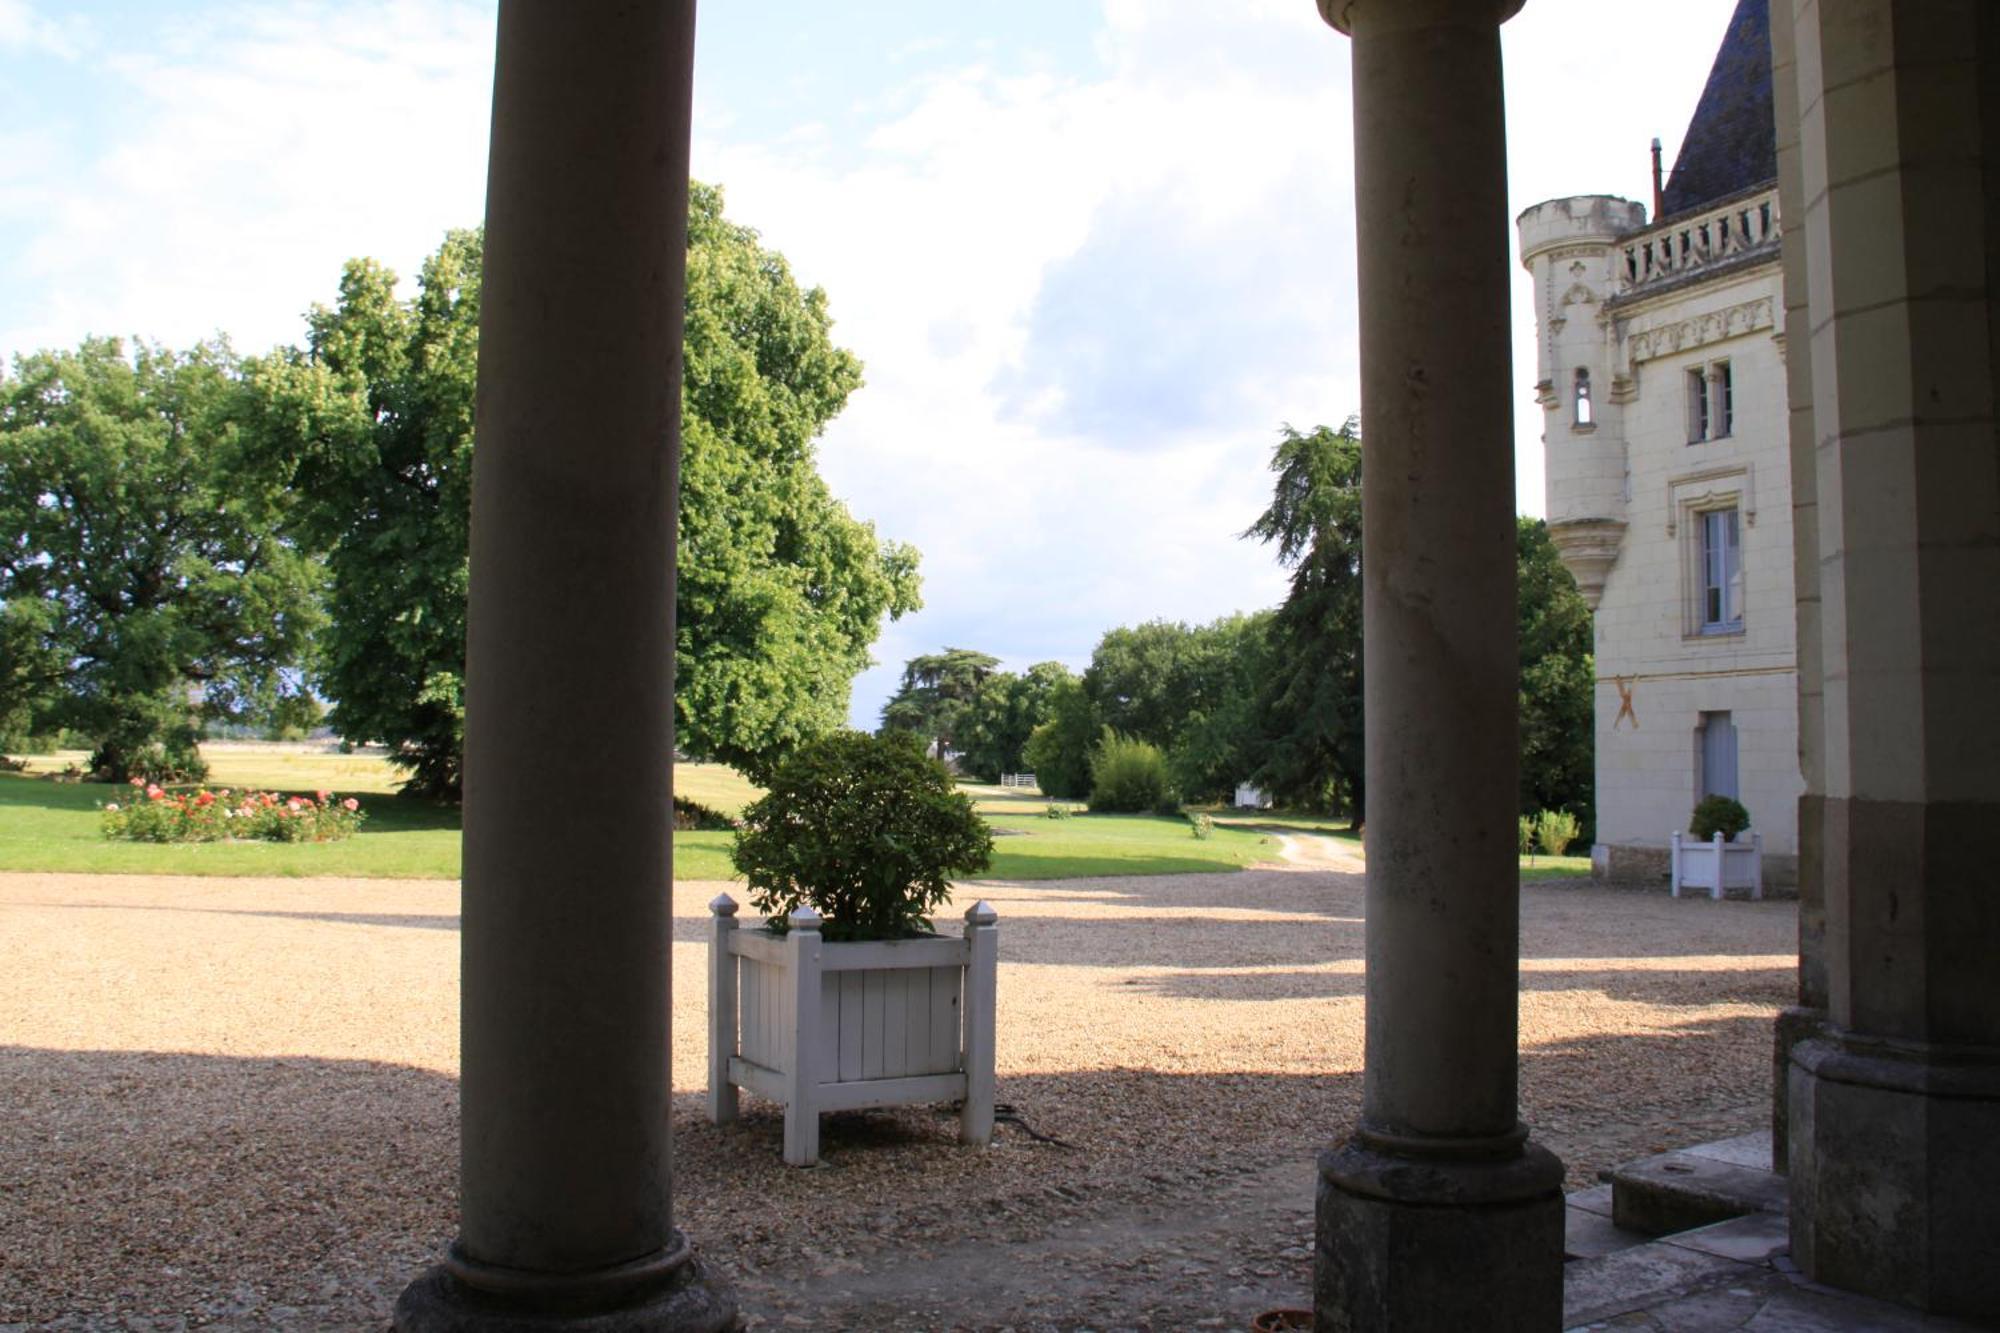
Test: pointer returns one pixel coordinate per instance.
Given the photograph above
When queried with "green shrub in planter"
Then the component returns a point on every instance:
(866, 830)
(1718, 814)
(1129, 777)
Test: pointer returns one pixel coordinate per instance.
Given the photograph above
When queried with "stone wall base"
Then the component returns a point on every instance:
(1634, 865)
(1424, 1246)
(1895, 1166)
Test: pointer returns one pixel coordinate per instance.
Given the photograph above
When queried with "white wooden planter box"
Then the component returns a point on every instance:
(1719, 866)
(887, 1022)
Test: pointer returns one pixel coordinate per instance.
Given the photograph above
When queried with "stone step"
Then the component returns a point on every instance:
(1680, 1191)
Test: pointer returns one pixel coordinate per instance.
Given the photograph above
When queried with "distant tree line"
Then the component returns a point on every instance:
(197, 539)
(1273, 699)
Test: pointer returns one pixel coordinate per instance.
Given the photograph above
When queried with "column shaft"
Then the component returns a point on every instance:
(565, 1042)
(1438, 1214)
(1437, 577)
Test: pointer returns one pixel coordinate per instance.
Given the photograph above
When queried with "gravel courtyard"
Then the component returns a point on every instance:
(231, 1103)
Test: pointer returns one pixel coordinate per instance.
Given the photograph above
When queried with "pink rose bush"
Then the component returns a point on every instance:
(157, 815)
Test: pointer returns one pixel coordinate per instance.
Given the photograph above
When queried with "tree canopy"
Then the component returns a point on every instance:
(993, 734)
(780, 589)
(1558, 670)
(937, 694)
(145, 584)
(1310, 706)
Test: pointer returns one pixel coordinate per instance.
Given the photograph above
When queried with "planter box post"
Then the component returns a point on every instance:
(1756, 864)
(1674, 874)
(802, 947)
(1720, 867)
(722, 987)
(982, 938)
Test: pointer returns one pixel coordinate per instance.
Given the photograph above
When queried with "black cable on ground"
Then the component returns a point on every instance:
(1006, 1113)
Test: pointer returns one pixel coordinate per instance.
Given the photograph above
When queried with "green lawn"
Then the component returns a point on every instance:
(53, 826)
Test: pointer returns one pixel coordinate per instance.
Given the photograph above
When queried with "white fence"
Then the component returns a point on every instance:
(1018, 780)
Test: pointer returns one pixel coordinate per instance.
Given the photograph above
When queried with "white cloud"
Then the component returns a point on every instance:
(1086, 302)
(257, 149)
(23, 27)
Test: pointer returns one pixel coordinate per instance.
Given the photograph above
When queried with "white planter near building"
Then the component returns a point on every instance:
(884, 1022)
(1719, 866)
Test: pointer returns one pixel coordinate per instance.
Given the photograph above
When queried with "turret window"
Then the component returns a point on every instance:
(1586, 414)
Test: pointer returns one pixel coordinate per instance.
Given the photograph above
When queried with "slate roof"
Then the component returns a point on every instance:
(1731, 144)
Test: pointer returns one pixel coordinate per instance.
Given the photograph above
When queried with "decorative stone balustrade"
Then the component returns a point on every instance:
(1745, 225)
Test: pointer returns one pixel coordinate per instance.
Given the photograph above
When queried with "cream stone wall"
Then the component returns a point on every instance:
(1624, 493)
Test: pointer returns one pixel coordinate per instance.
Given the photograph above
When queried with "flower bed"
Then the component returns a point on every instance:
(157, 815)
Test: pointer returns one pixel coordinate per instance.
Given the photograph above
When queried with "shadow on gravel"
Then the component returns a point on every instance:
(205, 1189)
(304, 1192)
(1744, 985)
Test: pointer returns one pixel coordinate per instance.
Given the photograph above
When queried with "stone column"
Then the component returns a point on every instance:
(566, 1166)
(1800, 1021)
(1895, 1110)
(1437, 1214)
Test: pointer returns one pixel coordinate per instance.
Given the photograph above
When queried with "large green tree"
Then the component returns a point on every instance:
(993, 734)
(780, 589)
(1311, 704)
(1222, 740)
(1058, 750)
(1558, 750)
(937, 695)
(1312, 699)
(145, 586)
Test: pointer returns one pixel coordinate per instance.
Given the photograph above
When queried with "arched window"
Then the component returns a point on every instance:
(1584, 412)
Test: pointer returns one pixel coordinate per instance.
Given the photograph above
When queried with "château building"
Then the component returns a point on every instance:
(1661, 376)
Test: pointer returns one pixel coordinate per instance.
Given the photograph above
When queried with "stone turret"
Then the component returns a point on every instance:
(1571, 246)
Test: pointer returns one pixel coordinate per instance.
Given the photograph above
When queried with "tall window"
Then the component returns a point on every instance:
(1723, 392)
(1718, 758)
(1721, 573)
(1697, 399)
(1585, 415)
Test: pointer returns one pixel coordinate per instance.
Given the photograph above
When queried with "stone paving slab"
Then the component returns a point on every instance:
(1753, 1239)
(1589, 1235)
(1596, 1199)
(1751, 1150)
(1640, 1278)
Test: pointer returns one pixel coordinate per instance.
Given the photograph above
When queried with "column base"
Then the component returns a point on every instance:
(1421, 1244)
(680, 1296)
(1895, 1166)
(1792, 1026)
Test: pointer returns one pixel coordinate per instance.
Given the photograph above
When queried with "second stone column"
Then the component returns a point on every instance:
(1437, 1213)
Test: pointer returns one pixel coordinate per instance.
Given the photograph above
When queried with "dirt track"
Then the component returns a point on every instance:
(232, 1102)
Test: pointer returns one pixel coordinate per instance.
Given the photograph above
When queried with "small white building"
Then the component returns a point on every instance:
(1662, 379)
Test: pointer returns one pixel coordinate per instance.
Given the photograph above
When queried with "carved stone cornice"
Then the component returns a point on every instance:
(1646, 344)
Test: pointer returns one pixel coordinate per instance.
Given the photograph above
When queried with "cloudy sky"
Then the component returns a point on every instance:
(1093, 252)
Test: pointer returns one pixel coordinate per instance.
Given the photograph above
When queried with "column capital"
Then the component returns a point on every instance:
(1417, 13)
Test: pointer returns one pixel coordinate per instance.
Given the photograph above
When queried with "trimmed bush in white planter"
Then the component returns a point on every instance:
(819, 1025)
(1719, 866)
(846, 998)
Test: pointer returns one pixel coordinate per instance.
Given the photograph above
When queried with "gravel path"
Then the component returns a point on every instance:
(230, 1103)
